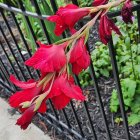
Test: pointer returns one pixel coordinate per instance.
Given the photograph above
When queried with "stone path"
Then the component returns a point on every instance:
(10, 131)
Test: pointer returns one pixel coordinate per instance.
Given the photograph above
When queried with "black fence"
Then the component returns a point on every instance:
(68, 121)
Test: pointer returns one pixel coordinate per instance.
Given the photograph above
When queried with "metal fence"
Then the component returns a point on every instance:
(11, 61)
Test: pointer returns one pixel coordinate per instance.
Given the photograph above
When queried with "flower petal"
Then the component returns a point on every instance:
(26, 95)
(26, 118)
(48, 59)
(23, 85)
(60, 101)
(43, 107)
(99, 2)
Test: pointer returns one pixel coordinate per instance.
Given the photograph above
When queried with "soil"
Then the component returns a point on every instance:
(106, 85)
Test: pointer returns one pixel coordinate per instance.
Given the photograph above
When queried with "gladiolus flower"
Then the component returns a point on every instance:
(79, 57)
(26, 118)
(127, 12)
(67, 16)
(99, 2)
(105, 29)
(49, 58)
(63, 90)
(30, 90)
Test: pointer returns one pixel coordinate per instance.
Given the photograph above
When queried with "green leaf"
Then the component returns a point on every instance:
(104, 72)
(128, 87)
(124, 58)
(118, 120)
(135, 105)
(114, 102)
(127, 41)
(133, 119)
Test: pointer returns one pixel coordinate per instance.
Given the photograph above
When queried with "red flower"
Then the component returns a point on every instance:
(48, 59)
(26, 118)
(63, 90)
(99, 2)
(105, 29)
(30, 90)
(79, 57)
(67, 16)
(127, 12)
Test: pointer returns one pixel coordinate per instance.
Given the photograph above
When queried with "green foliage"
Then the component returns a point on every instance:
(10, 2)
(85, 78)
(45, 9)
(101, 60)
(127, 49)
(85, 3)
(114, 102)
(118, 120)
(129, 90)
(36, 24)
(133, 119)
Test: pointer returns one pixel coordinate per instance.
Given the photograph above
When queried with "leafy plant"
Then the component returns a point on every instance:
(128, 62)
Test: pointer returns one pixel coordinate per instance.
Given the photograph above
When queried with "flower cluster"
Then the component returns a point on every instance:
(57, 62)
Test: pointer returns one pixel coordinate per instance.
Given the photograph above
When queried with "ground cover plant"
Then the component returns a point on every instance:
(72, 52)
(127, 54)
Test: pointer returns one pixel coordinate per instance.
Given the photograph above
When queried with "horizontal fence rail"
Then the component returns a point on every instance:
(15, 58)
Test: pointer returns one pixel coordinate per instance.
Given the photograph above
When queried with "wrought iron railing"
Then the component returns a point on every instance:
(53, 117)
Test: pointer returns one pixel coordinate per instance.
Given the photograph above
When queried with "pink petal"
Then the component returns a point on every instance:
(21, 96)
(23, 85)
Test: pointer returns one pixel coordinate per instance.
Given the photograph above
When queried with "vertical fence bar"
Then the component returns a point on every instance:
(86, 110)
(9, 46)
(29, 27)
(55, 113)
(54, 6)
(4, 73)
(17, 46)
(66, 118)
(5, 85)
(42, 22)
(28, 23)
(21, 34)
(53, 3)
(10, 62)
(93, 76)
(7, 74)
(97, 91)
(77, 120)
(1, 75)
(22, 37)
(75, 2)
(118, 86)
(138, 17)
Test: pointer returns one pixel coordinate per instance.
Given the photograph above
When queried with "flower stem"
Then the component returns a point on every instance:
(133, 69)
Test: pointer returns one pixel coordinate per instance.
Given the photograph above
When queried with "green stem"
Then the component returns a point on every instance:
(133, 69)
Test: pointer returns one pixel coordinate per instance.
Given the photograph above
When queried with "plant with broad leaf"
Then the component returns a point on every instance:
(59, 61)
